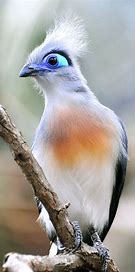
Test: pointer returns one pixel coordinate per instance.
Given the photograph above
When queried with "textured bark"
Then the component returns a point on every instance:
(85, 258)
(34, 174)
(14, 262)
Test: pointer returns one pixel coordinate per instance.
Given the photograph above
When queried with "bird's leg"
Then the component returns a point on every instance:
(78, 235)
(102, 250)
(78, 240)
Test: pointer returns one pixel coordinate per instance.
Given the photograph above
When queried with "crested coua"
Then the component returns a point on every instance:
(80, 144)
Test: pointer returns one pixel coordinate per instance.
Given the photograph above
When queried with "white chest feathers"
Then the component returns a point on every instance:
(87, 187)
(78, 153)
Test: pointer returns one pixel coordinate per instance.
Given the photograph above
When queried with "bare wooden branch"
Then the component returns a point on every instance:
(15, 262)
(34, 174)
(89, 259)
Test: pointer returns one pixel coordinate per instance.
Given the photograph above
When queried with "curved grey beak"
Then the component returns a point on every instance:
(33, 70)
(29, 70)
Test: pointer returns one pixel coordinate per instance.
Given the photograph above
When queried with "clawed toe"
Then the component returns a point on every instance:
(105, 258)
(78, 235)
(102, 250)
(78, 240)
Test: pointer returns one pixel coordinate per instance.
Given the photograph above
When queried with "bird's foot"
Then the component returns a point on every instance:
(102, 250)
(56, 248)
(78, 235)
(60, 247)
(78, 240)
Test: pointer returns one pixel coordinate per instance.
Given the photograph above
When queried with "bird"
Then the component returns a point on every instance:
(80, 144)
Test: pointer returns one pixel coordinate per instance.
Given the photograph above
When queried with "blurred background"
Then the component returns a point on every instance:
(109, 68)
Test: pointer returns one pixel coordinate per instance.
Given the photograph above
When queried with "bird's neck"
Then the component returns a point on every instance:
(65, 89)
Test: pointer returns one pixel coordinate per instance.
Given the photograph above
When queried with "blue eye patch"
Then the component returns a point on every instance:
(55, 60)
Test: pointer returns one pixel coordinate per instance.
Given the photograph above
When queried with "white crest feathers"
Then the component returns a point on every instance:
(68, 34)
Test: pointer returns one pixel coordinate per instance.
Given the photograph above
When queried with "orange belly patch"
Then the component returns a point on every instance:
(76, 135)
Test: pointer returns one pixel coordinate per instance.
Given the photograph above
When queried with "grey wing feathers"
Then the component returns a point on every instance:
(120, 178)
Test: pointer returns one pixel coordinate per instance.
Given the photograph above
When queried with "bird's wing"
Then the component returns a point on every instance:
(119, 182)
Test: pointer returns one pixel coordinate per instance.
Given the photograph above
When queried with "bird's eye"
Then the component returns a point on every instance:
(55, 60)
(52, 60)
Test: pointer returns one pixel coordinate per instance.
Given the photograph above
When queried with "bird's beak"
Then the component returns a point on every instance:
(27, 70)
(32, 70)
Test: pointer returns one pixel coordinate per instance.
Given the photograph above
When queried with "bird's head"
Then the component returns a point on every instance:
(54, 64)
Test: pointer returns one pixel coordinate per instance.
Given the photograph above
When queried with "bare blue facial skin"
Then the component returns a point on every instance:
(50, 63)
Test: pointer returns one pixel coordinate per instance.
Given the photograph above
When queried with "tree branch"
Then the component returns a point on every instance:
(34, 174)
(57, 212)
(86, 257)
